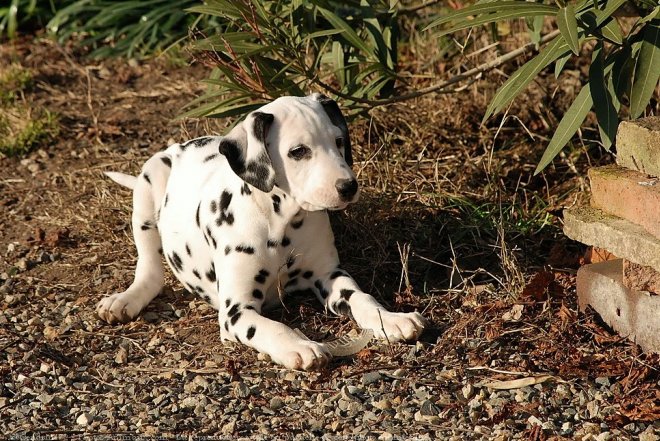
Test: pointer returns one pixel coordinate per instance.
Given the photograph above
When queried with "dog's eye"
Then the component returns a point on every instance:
(340, 142)
(300, 152)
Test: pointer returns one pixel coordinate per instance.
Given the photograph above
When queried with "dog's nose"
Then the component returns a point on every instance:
(346, 189)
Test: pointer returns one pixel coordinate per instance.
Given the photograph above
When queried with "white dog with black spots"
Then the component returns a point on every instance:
(242, 218)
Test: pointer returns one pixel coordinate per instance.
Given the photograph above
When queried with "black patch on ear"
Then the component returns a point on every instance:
(262, 122)
(258, 171)
(146, 178)
(250, 332)
(231, 150)
(334, 113)
(245, 189)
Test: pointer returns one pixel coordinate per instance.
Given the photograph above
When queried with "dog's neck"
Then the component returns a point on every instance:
(283, 210)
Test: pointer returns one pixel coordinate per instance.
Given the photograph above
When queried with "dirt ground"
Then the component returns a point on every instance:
(451, 223)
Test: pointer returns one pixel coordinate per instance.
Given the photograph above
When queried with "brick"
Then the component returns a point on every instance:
(628, 194)
(638, 145)
(633, 314)
(595, 255)
(640, 277)
(624, 239)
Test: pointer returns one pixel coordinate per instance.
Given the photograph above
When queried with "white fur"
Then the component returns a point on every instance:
(239, 250)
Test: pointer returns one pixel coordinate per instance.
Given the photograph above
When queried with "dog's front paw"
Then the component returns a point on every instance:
(118, 308)
(306, 355)
(394, 326)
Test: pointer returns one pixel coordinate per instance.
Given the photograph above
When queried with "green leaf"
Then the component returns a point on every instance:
(567, 24)
(561, 62)
(567, 127)
(351, 36)
(647, 69)
(606, 114)
(622, 72)
(523, 76)
(497, 16)
(523, 7)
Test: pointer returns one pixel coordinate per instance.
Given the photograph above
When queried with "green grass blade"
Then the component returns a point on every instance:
(567, 24)
(567, 127)
(647, 69)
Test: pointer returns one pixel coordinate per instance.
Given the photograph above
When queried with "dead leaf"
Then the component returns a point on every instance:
(518, 382)
(596, 255)
(538, 286)
(514, 315)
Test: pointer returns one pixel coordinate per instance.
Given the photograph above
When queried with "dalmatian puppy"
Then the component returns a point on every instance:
(243, 218)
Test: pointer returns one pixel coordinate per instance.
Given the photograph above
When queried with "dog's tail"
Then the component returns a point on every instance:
(122, 179)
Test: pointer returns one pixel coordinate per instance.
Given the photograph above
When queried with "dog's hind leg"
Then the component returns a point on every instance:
(149, 274)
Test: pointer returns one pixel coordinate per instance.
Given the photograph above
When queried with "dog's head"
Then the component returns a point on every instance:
(300, 144)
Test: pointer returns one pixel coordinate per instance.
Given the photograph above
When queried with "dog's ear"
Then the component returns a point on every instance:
(332, 110)
(245, 150)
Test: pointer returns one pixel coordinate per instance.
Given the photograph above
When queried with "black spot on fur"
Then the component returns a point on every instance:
(146, 178)
(196, 273)
(249, 307)
(257, 294)
(322, 291)
(197, 215)
(176, 261)
(166, 160)
(286, 241)
(225, 200)
(244, 249)
(238, 339)
(227, 250)
(188, 250)
(146, 226)
(225, 216)
(337, 273)
(297, 223)
(290, 261)
(250, 332)
(210, 235)
(294, 273)
(210, 274)
(276, 203)
(308, 274)
(234, 310)
(227, 303)
(245, 189)
(343, 308)
(271, 243)
(214, 207)
(167, 197)
(226, 325)
(261, 277)
(160, 251)
(291, 282)
(235, 318)
(346, 293)
(211, 157)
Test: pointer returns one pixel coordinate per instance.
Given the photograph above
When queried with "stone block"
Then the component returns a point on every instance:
(638, 145)
(640, 277)
(633, 314)
(624, 239)
(628, 194)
